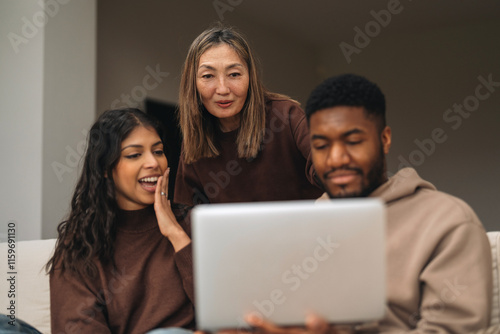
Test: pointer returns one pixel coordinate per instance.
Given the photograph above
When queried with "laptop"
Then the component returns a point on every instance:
(285, 260)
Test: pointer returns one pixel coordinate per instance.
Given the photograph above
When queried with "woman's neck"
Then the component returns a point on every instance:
(137, 220)
(229, 124)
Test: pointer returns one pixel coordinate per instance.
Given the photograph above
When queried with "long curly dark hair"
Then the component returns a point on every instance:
(89, 232)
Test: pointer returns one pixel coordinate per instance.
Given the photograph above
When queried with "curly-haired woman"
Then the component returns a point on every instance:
(122, 262)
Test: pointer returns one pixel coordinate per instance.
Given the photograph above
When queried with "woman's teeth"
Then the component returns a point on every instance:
(149, 179)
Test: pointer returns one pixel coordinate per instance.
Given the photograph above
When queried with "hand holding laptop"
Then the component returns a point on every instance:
(313, 325)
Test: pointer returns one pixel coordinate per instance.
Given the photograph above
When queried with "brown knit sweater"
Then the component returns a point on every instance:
(151, 288)
(281, 171)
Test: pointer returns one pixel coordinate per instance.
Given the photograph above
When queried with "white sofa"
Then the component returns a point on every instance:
(32, 297)
(32, 303)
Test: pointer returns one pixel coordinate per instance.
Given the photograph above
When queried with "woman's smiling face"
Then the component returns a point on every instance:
(222, 81)
(142, 162)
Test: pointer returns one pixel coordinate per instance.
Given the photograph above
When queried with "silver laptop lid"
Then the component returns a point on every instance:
(285, 260)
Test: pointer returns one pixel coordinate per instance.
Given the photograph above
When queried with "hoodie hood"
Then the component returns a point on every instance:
(404, 183)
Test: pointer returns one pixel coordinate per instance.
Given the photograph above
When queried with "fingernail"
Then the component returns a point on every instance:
(253, 319)
(313, 322)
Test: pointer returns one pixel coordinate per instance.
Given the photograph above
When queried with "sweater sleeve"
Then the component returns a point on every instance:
(456, 285)
(75, 307)
(184, 258)
(300, 131)
(184, 262)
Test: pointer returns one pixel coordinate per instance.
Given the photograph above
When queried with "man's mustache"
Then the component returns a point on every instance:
(336, 170)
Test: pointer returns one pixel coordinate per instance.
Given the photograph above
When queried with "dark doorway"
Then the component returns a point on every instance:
(166, 113)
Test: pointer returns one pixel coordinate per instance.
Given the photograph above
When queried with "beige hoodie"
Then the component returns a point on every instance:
(438, 260)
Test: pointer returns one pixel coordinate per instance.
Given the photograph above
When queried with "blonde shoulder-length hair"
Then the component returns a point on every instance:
(198, 126)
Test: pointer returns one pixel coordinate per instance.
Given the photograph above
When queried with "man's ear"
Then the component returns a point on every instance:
(386, 138)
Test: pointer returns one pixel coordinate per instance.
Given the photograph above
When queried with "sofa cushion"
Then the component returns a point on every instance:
(32, 294)
(495, 252)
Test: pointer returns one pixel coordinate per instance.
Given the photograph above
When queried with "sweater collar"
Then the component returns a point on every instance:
(404, 183)
(227, 136)
(137, 220)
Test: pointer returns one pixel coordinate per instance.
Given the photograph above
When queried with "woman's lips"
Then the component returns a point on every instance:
(149, 183)
(224, 104)
(150, 187)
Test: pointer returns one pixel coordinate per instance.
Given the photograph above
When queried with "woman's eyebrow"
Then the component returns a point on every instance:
(159, 142)
(235, 65)
(205, 66)
(132, 145)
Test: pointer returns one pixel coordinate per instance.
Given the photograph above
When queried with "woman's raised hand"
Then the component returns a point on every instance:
(167, 222)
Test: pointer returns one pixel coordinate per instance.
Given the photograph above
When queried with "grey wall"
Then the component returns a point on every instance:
(20, 122)
(133, 36)
(47, 89)
(424, 74)
(69, 105)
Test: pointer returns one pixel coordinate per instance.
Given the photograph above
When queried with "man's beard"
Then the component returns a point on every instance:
(375, 178)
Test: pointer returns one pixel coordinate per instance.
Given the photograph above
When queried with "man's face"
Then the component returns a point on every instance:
(348, 151)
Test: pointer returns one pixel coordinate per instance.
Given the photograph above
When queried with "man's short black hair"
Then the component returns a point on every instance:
(348, 90)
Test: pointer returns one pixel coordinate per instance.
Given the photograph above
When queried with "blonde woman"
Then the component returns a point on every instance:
(240, 142)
